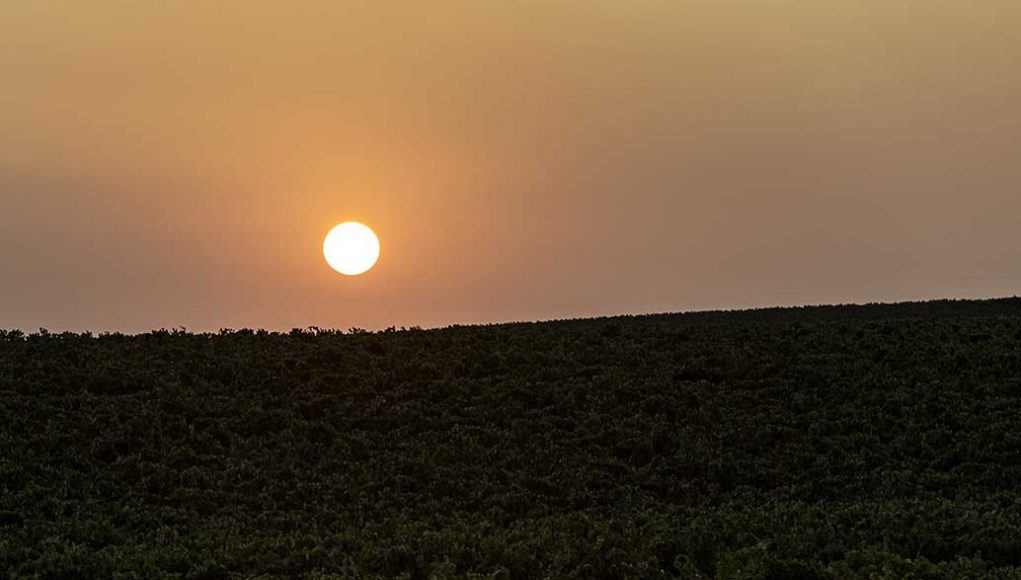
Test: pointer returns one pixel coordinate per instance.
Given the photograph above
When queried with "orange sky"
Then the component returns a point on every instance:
(168, 164)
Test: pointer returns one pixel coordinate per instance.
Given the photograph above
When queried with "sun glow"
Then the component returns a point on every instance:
(351, 248)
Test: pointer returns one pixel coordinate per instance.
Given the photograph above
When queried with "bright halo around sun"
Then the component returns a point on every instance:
(351, 248)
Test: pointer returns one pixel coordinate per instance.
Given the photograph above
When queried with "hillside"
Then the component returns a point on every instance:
(827, 442)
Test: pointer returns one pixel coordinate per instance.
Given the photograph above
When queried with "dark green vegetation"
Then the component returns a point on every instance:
(835, 442)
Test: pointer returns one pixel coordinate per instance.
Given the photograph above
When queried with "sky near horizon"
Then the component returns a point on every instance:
(169, 164)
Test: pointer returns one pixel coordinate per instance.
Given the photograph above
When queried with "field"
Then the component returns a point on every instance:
(833, 442)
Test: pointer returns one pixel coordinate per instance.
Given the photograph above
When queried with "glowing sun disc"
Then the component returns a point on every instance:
(351, 248)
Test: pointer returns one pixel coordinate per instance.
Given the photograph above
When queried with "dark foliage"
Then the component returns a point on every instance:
(838, 442)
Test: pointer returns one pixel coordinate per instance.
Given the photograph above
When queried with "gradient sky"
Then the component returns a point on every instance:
(177, 163)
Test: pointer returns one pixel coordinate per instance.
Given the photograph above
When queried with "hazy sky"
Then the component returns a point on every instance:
(177, 163)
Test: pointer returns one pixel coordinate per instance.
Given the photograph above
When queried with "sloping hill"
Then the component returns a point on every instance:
(829, 442)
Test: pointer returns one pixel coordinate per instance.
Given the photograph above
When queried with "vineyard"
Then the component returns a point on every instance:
(877, 441)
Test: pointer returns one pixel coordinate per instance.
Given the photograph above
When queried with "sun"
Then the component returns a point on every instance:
(351, 248)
